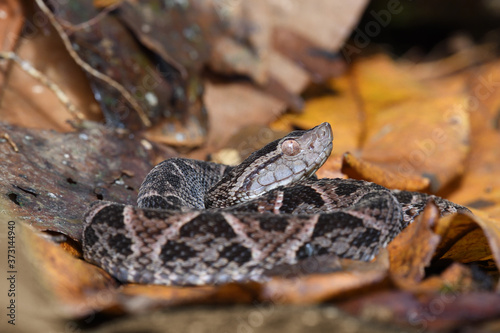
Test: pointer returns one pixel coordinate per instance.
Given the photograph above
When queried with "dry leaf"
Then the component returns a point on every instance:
(360, 169)
(142, 298)
(26, 101)
(81, 288)
(441, 312)
(409, 130)
(232, 107)
(402, 128)
(421, 138)
(53, 177)
(455, 278)
(314, 288)
(412, 250)
(480, 187)
(468, 238)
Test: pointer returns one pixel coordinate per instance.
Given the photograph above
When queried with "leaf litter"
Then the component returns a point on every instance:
(391, 126)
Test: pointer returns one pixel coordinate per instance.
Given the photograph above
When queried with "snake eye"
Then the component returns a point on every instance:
(290, 147)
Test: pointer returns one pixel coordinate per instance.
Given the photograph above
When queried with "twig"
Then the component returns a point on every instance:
(67, 43)
(33, 72)
(10, 142)
(92, 21)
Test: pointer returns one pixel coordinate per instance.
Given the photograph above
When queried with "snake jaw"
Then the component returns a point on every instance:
(320, 160)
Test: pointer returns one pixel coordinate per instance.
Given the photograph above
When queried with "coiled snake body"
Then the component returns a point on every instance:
(206, 223)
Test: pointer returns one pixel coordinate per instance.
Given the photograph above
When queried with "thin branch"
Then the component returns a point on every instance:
(67, 43)
(10, 142)
(35, 73)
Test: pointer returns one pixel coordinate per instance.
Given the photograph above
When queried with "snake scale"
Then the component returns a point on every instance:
(205, 223)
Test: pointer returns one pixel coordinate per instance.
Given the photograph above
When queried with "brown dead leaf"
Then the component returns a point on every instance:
(480, 187)
(484, 95)
(127, 84)
(456, 278)
(294, 46)
(443, 311)
(332, 168)
(438, 73)
(230, 57)
(177, 133)
(137, 298)
(382, 84)
(234, 106)
(52, 178)
(360, 169)
(80, 288)
(11, 25)
(283, 70)
(469, 248)
(469, 238)
(26, 101)
(410, 131)
(420, 138)
(491, 229)
(326, 27)
(314, 288)
(412, 250)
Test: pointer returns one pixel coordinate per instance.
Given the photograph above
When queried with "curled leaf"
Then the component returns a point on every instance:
(412, 250)
(361, 169)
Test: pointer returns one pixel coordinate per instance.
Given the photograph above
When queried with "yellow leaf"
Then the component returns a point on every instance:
(357, 168)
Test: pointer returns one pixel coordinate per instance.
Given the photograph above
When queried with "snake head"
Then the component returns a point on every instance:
(285, 161)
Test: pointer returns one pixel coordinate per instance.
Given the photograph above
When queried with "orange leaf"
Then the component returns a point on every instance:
(462, 239)
(154, 296)
(468, 238)
(360, 169)
(455, 278)
(420, 138)
(410, 130)
(412, 250)
(316, 288)
(381, 84)
(480, 188)
(80, 287)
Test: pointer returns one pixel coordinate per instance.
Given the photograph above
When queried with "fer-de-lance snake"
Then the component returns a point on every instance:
(205, 223)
